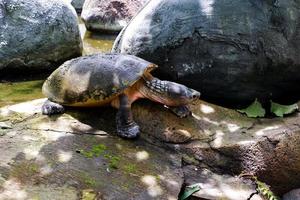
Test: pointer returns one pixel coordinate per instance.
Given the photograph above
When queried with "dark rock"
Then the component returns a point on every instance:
(77, 4)
(37, 35)
(109, 15)
(292, 195)
(230, 51)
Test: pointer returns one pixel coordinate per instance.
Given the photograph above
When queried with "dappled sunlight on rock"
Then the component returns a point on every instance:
(64, 156)
(210, 121)
(154, 190)
(27, 108)
(46, 170)
(32, 152)
(53, 135)
(216, 186)
(232, 127)
(119, 146)
(264, 131)
(218, 138)
(4, 112)
(206, 109)
(207, 7)
(142, 155)
(11, 189)
(246, 142)
(29, 138)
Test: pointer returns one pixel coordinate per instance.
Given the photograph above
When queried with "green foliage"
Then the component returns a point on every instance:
(254, 110)
(262, 188)
(265, 191)
(87, 180)
(113, 161)
(100, 149)
(130, 168)
(96, 151)
(189, 190)
(281, 110)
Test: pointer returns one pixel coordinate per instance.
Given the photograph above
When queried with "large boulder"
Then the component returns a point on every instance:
(109, 15)
(37, 34)
(231, 51)
(77, 4)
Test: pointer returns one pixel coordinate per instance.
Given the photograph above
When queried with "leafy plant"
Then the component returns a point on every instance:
(262, 188)
(254, 110)
(113, 161)
(281, 110)
(265, 191)
(189, 190)
(96, 151)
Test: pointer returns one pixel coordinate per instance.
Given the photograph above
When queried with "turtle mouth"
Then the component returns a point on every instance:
(151, 67)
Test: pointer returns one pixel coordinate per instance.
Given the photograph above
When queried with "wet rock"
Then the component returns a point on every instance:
(108, 15)
(37, 35)
(292, 195)
(232, 52)
(213, 186)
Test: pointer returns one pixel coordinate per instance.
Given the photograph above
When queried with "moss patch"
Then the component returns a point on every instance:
(11, 93)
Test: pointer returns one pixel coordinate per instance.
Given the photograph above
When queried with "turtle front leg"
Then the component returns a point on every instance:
(126, 127)
(181, 111)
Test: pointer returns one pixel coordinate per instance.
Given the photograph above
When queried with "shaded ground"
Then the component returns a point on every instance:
(63, 158)
(77, 154)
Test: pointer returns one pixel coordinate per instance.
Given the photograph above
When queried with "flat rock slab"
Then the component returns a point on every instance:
(213, 186)
(61, 149)
(63, 158)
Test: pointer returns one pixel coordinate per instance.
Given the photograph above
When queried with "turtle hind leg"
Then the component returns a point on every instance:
(126, 127)
(51, 108)
(181, 111)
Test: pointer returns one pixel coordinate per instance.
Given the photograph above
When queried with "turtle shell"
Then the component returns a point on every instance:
(94, 79)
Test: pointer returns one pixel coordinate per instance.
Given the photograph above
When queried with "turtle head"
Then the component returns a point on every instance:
(171, 93)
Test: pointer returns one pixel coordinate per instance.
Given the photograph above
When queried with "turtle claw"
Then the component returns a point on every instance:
(51, 108)
(181, 111)
(130, 131)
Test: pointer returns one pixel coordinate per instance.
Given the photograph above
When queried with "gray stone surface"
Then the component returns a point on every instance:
(37, 34)
(218, 187)
(48, 158)
(219, 139)
(77, 4)
(230, 51)
(109, 15)
(292, 195)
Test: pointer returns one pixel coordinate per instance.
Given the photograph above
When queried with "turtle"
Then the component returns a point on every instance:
(117, 80)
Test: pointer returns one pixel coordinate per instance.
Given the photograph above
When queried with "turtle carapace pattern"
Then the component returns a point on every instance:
(113, 79)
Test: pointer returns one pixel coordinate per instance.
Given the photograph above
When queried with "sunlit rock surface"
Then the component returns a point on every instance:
(109, 15)
(230, 51)
(60, 151)
(37, 34)
(63, 157)
(214, 186)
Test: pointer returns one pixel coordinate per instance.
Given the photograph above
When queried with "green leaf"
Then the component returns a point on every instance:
(280, 110)
(254, 110)
(189, 190)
